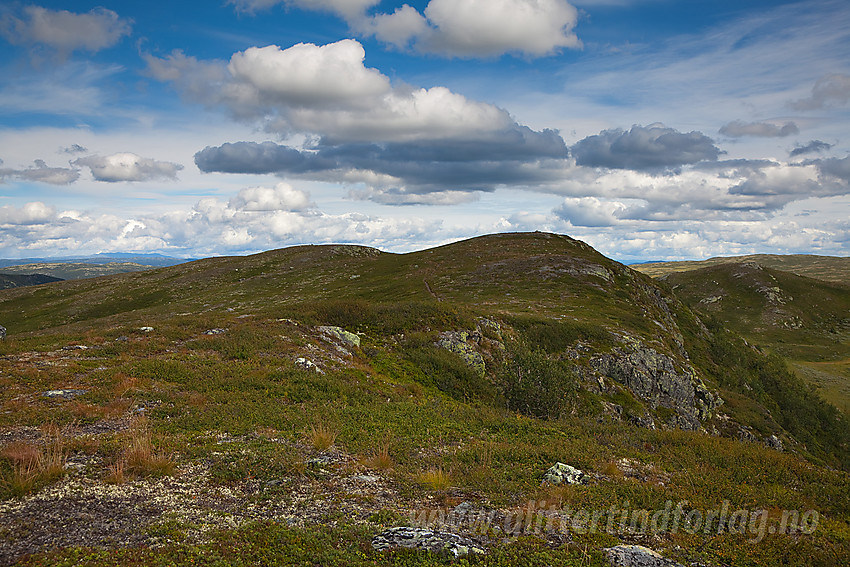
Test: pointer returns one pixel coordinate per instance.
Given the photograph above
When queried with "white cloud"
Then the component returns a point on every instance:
(65, 31)
(399, 28)
(281, 197)
(327, 91)
(305, 75)
(455, 28)
(492, 27)
(31, 213)
(128, 167)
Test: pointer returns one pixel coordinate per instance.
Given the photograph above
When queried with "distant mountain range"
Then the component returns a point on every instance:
(75, 268)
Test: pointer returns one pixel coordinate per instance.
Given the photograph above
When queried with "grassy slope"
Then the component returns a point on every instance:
(803, 319)
(387, 396)
(829, 268)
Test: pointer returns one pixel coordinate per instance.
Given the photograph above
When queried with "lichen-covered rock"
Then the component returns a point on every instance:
(2, 332)
(340, 334)
(561, 473)
(422, 538)
(659, 380)
(216, 331)
(463, 343)
(66, 394)
(637, 556)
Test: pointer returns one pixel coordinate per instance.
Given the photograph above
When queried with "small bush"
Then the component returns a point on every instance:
(536, 385)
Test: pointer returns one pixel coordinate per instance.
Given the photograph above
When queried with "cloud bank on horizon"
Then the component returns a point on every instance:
(256, 124)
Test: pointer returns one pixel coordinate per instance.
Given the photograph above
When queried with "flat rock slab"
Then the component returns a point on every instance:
(430, 540)
(637, 556)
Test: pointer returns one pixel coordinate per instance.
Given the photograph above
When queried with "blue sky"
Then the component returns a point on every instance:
(651, 129)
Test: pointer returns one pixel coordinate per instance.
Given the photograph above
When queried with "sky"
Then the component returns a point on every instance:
(650, 129)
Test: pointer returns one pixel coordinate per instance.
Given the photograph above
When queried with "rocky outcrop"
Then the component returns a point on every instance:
(637, 556)
(463, 343)
(659, 380)
(422, 538)
(561, 473)
(340, 334)
(774, 443)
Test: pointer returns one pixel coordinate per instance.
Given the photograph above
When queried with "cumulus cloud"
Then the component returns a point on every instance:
(360, 127)
(815, 146)
(829, 90)
(64, 31)
(454, 28)
(251, 221)
(737, 129)
(644, 148)
(492, 27)
(128, 167)
(327, 91)
(281, 197)
(31, 213)
(43, 173)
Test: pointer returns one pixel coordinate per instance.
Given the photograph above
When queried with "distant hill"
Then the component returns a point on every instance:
(829, 268)
(19, 280)
(156, 260)
(75, 270)
(804, 319)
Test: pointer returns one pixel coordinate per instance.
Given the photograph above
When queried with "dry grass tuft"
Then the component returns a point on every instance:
(380, 458)
(33, 465)
(321, 436)
(435, 479)
(139, 457)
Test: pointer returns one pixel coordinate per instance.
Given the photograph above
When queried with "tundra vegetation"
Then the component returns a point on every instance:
(208, 415)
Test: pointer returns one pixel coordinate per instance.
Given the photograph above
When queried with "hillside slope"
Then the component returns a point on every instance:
(314, 395)
(805, 320)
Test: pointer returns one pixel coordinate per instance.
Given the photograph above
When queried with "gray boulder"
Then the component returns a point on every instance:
(637, 556)
(2, 333)
(561, 473)
(422, 538)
